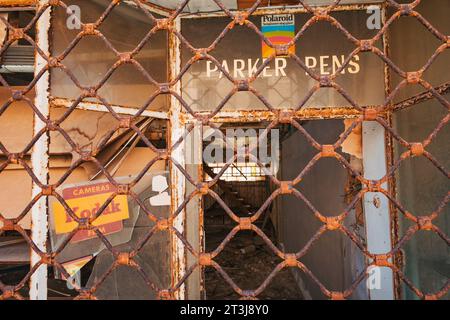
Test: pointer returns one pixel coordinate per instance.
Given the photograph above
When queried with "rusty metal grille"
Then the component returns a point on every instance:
(181, 114)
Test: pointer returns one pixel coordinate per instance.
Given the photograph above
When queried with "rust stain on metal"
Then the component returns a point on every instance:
(17, 3)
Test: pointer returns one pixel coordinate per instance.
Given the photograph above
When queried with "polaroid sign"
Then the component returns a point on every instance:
(278, 29)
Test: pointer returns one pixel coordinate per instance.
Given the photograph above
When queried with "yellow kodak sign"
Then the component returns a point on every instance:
(85, 201)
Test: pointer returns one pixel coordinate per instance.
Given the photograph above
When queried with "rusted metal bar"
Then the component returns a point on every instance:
(10, 9)
(91, 106)
(40, 158)
(443, 89)
(177, 179)
(392, 185)
(282, 10)
(18, 3)
(265, 115)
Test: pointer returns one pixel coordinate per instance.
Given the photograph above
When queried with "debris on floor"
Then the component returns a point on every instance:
(248, 261)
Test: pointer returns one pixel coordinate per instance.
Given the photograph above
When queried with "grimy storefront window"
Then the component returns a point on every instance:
(284, 84)
(362, 160)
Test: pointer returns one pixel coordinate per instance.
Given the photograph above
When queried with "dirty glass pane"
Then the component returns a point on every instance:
(422, 187)
(283, 82)
(412, 45)
(91, 59)
(330, 188)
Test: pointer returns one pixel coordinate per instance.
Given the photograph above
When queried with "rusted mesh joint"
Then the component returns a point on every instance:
(425, 223)
(163, 24)
(248, 294)
(165, 295)
(241, 18)
(205, 259)
(86, 295)
(382, 260)
(84, 224)
(203, 188)
(243, 85)
(90, 92)
(163, 224)
(17, 95)
(15, 158)
(125, 57)
(373, 186)
(417, 149)
(163, 155)
(370, 114)
(290, 260)
(8, 293)
(325, 82)
(282, 50)
(245, 224)
(48, 259)
(16, 34)
(53, 62)
(333, 223)
(413, 77)
(285, 116)
(89, 29)
(321, 14)
(337, 295)
(328, 151)
(125, 122)
(164, 88)
(124, 259)
(201, 54)
(86, 155)
(48, 190)
(366, 45)
(52, 125)
(406, 9)
(8, 225)
(286, 187)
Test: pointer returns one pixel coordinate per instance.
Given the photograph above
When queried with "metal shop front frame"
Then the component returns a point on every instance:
(188, 256)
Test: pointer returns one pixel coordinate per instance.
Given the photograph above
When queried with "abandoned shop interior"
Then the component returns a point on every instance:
(224, 149)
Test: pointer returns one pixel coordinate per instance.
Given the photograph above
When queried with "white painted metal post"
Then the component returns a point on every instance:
(376, 207)
(40, 160)
(177, 178)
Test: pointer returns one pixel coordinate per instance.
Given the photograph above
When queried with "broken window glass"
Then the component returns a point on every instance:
(91, 58)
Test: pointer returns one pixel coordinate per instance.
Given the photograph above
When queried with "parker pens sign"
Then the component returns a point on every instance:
(85, 201)
(283, 81)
